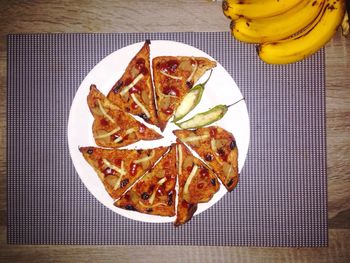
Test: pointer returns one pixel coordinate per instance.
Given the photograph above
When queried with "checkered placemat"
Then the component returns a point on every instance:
(281, 199)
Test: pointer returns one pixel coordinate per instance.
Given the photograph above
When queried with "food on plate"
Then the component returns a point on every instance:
(287, 31)
(185, 210)
(155, 192)
(198, 181)
(112, 127)
(190, 100)
(173, 79)
(217, 147)
(119, 169)
(165, 181)
(133, 92)
(197, 184)
(206, 118)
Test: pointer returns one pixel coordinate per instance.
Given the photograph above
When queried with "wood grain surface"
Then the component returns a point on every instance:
(39, 16)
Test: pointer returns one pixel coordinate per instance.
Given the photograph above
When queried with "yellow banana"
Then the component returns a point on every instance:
(234, 9)
(277, 27)
(345, 25)
(307, 42)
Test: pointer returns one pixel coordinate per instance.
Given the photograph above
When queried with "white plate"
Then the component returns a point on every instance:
(221, 89)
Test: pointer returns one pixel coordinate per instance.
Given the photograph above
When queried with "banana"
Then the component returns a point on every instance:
(253, 9)
(277, 27)
(345, 24)
(307, 42)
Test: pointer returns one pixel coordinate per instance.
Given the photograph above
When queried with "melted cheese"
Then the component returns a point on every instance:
(121, 170)
(103, 111)
(160, 182)
(143, 108)
(132, 84)
(189, 179)
(129, 131)
(119, 139)
(146, 158)
(170, 76)
(196, 138)
(213, 145)
(104, 135)
(179, 151)
(193, 71)
(151, 206)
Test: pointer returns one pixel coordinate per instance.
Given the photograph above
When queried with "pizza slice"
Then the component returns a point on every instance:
(113, 127)
(199, 182)
(133, 92)
(185, 210)
(173, 78)
(217, 147)
(155, 192)
(119, 169)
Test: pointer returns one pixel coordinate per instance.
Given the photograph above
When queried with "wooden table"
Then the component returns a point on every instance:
(19, 16)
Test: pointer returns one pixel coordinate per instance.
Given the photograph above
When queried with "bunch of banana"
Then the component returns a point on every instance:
(345, 25)
(286, 31)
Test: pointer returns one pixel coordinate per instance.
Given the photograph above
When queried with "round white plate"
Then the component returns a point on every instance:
(220, 89)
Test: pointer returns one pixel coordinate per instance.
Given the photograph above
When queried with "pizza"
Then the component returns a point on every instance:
(155, 192)
(173, 78)
(165, 181)
(118, 169)
(112, 127)
(217, 147)
(198, 181)
(133, 92)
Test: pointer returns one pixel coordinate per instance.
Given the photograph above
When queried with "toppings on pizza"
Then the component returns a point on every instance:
(103, 111)
(113, 127)
(189, 179)
(194, 69)
(155, 192)
(103, 134)
(133, 92)
(111, 165)
(200, 182)
(145, 158)
(219, 151)
(170, 76)
(132, 84)
(196, 138)
(173, 78)
(143, 107)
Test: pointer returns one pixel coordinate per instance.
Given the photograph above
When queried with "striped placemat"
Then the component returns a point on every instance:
(281, 199)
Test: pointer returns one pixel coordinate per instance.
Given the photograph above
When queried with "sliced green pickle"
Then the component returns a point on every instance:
(190, 101)
(207, 117)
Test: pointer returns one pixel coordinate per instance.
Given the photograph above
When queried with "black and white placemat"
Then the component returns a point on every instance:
(281, 199)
